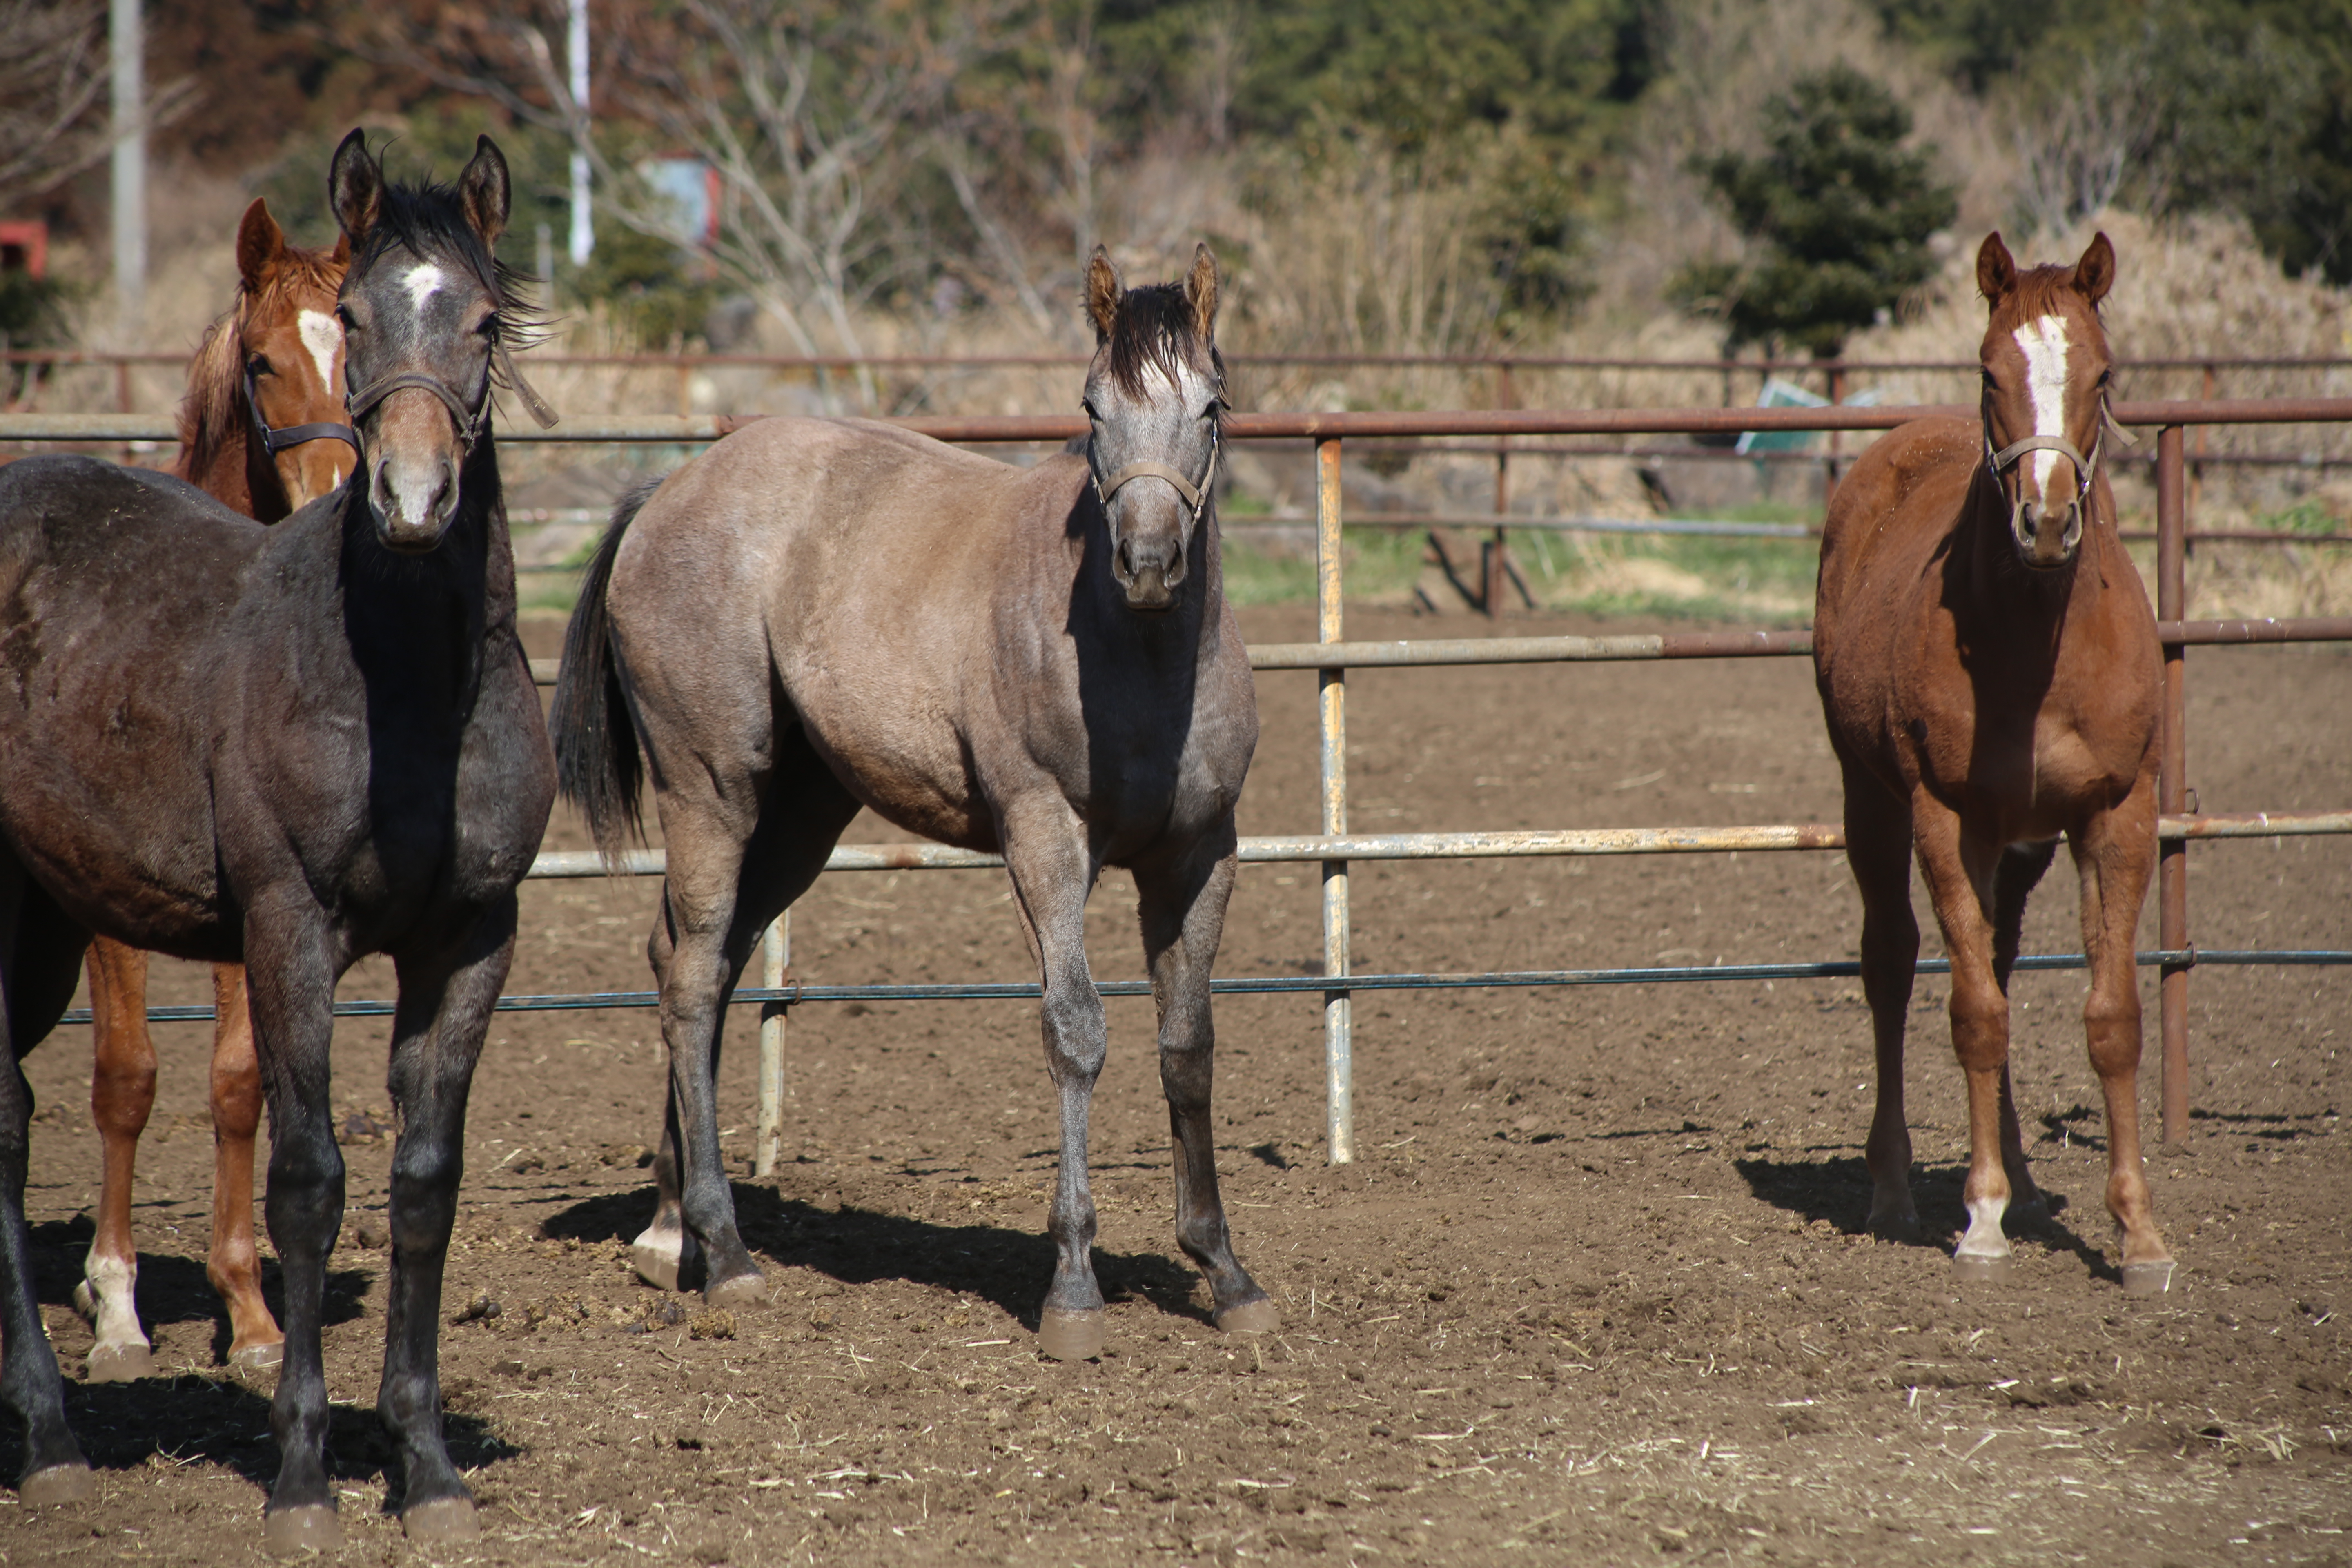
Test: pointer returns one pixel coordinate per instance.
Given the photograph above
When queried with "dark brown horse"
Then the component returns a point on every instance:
(814, 617)
(1987, 665)
(292, 747)
(261, 431)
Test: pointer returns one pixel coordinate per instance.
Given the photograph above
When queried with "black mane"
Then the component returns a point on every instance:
(1152, 328)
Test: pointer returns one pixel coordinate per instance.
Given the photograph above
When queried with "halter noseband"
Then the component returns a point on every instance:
(2086, 469)
(1196, 497)
(471, 421)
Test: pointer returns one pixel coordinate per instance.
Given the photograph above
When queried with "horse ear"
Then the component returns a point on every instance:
(484, 191)
(260, 247)
(1103, 293)
(355, 188)
(1200, 293)
(2096, 273)
(342, 255)
(1996, 269)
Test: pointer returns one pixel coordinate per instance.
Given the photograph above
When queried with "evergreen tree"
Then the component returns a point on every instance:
(1838, 211)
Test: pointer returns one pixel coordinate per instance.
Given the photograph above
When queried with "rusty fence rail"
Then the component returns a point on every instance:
(1331, 655)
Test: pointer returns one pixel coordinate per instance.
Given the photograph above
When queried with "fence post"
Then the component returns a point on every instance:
(1339, 1042)
(2172, 790)
(1492, 581)
(776, 960)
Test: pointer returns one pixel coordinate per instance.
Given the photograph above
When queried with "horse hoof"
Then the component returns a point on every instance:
(1072, 1336)
(314, 1528)
(1974, 1268)
(1902, 1228)
(744, 1290)
(259, 1358)
(2147, 1278)
(657, 1264)
(119, 1363)
(2033, 1214)
(1258, 1317)
(57, 1486)
(444, 1519)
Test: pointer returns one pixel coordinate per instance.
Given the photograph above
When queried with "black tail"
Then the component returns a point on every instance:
(597, 760)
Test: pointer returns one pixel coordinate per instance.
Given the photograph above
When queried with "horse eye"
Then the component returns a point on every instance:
(490, 328)
(351, 323)
(258, 365)
(1087, 406)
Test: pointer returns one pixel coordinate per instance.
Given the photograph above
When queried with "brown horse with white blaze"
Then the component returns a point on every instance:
(262, 430)
(1989, 669)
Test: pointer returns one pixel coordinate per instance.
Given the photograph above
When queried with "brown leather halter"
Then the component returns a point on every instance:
(2086, 469)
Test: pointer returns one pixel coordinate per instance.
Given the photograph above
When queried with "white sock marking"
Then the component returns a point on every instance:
(323, 336)
(2043, 343)
(424, 278)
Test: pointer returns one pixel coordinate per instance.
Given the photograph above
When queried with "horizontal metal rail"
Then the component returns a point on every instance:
(558, 359)
(794, 994)
(1466, 846)
(1640, 646)
(687, 429)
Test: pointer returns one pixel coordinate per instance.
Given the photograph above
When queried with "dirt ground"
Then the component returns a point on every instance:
(1594, 1292)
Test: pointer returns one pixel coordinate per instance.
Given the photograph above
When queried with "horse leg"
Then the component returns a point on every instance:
(2115, 856)
(1183, 914)
(234, 1264)
(291, 982)
(702, 937)
(2014, 876)
(1878, 852)
(30, 1386)
(446, 999)
(122, 1096)
(1053, 870)
(1959, 876)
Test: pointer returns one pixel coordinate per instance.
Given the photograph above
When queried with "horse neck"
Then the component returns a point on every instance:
(461, 596)
(228, 476)
(2001, 591)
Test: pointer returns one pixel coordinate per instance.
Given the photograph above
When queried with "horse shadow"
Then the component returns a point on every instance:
(1837, 1190)
(191, 1419)
(174, 1289)
(858, 1247)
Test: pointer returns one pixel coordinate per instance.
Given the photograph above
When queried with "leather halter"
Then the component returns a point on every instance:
(470, 421)
(1196, 497)
(2086, 469)
(276, 438)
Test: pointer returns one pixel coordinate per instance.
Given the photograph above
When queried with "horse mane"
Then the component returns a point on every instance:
(213, 413)
(1154, 329)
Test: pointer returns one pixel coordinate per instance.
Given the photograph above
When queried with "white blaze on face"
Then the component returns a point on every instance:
(424, 278)
(323, 336)
(2043, 343)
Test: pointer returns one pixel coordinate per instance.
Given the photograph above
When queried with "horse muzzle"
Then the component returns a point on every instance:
(413, 504)
(1149, 571)
(2046, 537)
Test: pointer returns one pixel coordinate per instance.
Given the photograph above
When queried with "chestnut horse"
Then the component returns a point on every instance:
(261, 430)
(1989, 667)
(816, 615)
(292, 747)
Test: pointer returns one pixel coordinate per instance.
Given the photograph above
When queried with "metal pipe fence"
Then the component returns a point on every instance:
(1331, 655)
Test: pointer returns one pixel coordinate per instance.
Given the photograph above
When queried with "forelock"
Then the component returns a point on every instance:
(1153, 330)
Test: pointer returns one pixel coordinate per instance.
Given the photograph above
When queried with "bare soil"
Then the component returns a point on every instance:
(1595, 1290)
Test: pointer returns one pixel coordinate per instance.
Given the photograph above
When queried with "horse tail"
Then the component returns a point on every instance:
(599, 765)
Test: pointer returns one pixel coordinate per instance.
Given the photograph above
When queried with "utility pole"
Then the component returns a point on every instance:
(126, 45)
(584, 231)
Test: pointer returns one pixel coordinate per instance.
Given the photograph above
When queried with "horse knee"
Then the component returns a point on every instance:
(2112, 1025)
(1979, 1027)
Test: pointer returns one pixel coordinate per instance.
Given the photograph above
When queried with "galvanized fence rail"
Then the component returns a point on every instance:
(1331, 655)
